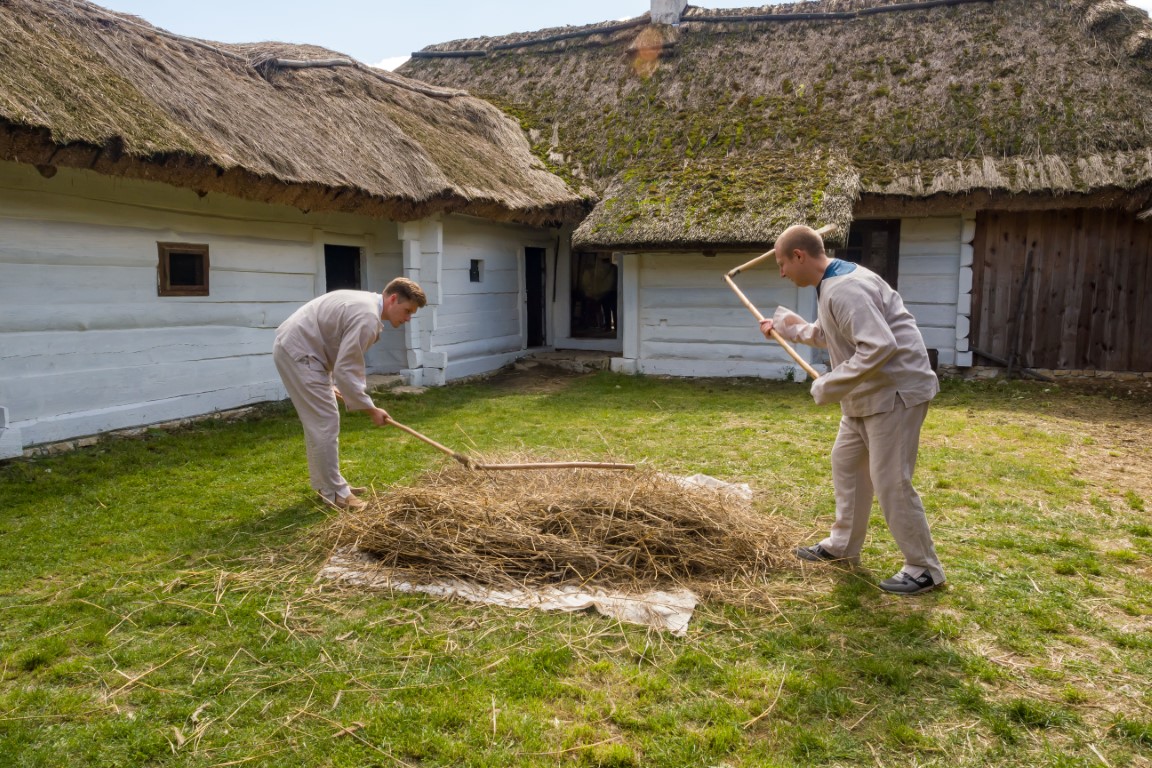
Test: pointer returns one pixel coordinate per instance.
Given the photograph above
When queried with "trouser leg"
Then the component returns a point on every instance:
(310, 388)
(853, 488)
(894, 439)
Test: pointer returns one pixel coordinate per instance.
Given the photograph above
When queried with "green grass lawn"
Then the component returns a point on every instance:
(159, 603)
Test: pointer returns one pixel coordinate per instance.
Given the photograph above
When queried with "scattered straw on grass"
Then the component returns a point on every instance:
(627, 530)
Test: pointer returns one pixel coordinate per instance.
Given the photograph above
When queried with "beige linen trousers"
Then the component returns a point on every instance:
(876, 456)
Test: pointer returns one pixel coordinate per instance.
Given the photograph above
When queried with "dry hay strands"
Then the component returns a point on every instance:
(633, 530)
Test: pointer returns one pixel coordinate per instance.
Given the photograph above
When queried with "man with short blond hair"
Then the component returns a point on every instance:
(882, 378)
(319, 353)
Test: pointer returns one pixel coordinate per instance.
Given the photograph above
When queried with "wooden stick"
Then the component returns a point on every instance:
(808, 369)
(558, 465)
(472, 464)
(465, 460)
(827, 229)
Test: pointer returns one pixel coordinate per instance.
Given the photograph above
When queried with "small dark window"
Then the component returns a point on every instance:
(183, 270)
(874, 243)
(474, 270)
(341, 267)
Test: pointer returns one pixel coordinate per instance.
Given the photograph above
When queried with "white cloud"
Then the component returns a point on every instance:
(1145, 4)
(392, 62)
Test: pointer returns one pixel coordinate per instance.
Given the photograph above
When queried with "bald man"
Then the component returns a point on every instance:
(319, 353)
(883, 380)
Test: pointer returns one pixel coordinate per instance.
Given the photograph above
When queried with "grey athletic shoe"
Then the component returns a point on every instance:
(815, 554)
(903, 584)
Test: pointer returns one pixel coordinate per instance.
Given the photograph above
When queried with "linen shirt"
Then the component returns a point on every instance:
(337, 329)
(874, 345)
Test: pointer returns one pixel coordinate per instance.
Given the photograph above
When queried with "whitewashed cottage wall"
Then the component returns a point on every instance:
(929, 269)
(964, 292)
(474, 327)
(87, 345)
(680, 318)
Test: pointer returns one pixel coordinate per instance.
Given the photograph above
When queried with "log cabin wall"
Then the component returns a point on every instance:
(1084, 301)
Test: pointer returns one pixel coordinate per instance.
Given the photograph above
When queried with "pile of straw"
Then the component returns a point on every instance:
(635, 530)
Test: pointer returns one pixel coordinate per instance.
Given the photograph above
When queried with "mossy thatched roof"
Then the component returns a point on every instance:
(736, 123)
(299, 125)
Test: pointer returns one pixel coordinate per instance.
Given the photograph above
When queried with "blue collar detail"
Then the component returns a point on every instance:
(836, 268)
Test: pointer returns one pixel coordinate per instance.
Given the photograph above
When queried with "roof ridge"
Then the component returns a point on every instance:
(699, 15)
(265, 65)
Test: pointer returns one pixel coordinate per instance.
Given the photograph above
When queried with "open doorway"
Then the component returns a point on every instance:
(341, 267)
(594, 295)
(535, 296)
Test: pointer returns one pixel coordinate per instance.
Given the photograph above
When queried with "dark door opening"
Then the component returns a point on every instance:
(535, 293)
(875, 244)
(341, 267)
(594, 296)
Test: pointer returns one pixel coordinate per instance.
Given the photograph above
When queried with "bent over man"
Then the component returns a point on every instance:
(319, 353)
(883, 380)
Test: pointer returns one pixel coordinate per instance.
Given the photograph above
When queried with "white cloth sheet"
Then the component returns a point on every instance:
(669, 611)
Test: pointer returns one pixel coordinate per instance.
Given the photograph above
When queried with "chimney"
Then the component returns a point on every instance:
(667, 11)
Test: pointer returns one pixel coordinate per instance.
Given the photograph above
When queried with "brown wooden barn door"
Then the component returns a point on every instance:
(1065, 290)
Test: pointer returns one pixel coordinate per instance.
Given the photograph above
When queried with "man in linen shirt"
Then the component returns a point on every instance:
(319, 353)
(883, 380)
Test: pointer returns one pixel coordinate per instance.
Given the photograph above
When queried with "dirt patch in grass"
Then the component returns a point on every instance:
(1110, 428)
(534, 378)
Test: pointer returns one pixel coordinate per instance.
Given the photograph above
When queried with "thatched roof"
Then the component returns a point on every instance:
(84, 87)
(736, 123)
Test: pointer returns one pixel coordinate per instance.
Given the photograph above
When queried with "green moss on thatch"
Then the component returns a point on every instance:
(1012, 95)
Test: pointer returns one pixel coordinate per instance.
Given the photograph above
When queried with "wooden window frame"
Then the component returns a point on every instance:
(163, 269)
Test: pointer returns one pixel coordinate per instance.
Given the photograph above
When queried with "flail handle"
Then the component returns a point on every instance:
(471, 463)
(558, 465)
(827, 229)
(808, 369)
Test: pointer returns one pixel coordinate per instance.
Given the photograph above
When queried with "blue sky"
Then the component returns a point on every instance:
(383, 32)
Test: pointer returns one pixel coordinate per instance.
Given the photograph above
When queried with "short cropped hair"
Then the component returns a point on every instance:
(802, 237)
(407, 290)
